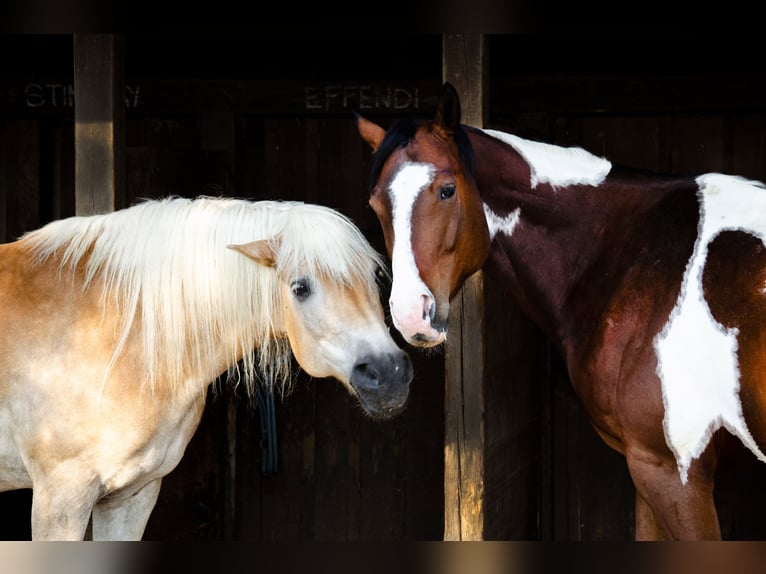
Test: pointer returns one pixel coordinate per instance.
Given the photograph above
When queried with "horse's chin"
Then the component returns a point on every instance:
(427, 341)
(380, 411)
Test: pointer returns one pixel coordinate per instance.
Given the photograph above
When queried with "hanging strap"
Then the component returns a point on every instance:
(264, 395)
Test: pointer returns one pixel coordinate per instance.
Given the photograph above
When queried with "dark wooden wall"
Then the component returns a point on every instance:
(237, 120)
(341, 475)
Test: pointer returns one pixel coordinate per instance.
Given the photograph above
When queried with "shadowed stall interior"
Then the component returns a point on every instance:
(228, 115)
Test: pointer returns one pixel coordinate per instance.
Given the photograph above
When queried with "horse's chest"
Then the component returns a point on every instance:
(154, 455)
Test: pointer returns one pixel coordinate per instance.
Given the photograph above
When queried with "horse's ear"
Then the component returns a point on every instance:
(448, 110)
(263, 251)
(371, 132)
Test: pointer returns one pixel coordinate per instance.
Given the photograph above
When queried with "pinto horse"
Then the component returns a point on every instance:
(652, 288)
(114, 327)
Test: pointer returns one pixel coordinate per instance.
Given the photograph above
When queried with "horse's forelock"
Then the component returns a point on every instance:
(328, 244)
(403, 131)
(399, 134)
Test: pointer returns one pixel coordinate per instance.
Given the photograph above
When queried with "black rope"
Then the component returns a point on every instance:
(264, 396)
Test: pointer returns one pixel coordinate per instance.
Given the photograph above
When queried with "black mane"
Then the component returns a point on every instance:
(401, 133)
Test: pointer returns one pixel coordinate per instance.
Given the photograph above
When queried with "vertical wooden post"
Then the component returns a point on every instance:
(99, 112)
(465, 66)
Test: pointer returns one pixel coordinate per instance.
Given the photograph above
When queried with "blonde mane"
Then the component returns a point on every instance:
(166, 263)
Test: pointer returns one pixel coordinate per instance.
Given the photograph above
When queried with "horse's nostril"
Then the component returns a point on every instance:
(382, 382)
(440, 324)
(429, 308)
(375, 373)
(366, 375)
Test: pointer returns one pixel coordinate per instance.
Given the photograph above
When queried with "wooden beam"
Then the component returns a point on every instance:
(465, 66)
(99, 112)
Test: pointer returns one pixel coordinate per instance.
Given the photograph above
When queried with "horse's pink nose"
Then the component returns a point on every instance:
(415, 317)
(417, 321)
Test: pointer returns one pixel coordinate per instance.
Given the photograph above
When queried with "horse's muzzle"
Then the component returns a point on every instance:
(382, 383)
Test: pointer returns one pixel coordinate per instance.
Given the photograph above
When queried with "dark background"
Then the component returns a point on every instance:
(226, 113)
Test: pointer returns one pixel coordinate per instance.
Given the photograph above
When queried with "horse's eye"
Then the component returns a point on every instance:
(301, 288)
(447, 191)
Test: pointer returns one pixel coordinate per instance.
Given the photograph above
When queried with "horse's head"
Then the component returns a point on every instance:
(425, 197)
(336, 328)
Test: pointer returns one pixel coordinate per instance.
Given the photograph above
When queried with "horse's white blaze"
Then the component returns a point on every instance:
(558, 166)
(409, 294)
(696, 356)
(505, 225)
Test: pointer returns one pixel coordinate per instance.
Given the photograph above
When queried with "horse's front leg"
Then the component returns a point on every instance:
(666, 508)
(648, 526)
(125, 519)
(60, 509)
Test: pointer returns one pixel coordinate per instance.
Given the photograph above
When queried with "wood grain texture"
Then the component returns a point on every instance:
(463, 66)
(99, 123)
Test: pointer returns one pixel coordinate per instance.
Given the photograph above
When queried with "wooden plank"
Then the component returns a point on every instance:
(167, 96)
(285, 509)
(63, 172)
(336, 507)
(424, 509)
(509, 94)
(748, 152)
(217, 142)
(21, 189)
(698, 145)
(287, 506)
(515, 380)
(99, 123)
(627, 93)
(464, 66)
(5, 145)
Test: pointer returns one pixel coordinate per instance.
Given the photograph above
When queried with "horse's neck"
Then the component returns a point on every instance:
(542, 262)
(564, 239)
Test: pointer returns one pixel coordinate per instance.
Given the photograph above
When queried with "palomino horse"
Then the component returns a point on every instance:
(652, 288)
(115, 325)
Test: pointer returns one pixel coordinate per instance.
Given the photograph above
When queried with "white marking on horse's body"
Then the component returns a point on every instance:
(696, 356)
(409, 313)
(505, 225)
(556, 165)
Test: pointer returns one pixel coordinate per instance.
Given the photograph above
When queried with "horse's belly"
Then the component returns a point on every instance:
(118, 439)
(13, 475)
